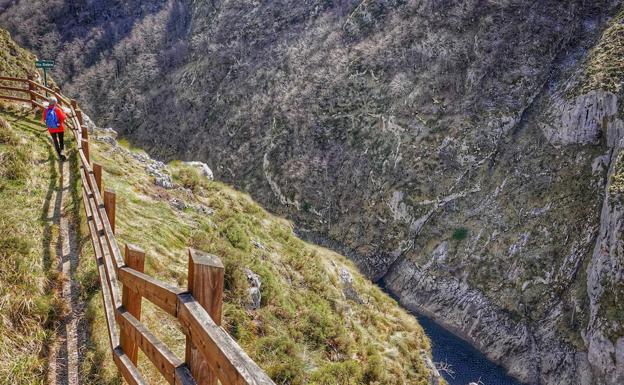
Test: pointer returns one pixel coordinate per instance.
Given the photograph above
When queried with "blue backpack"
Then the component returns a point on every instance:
(52, 119)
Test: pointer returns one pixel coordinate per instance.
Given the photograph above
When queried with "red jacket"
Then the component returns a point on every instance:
(61, 118)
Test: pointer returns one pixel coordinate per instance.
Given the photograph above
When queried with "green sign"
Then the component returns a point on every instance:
(44, 64)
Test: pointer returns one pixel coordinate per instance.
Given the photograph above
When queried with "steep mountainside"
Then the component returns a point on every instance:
(464, 152)
(303, 313)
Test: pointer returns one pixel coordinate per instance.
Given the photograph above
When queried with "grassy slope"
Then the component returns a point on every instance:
(305, 330)
(14, 60)
(29, 174)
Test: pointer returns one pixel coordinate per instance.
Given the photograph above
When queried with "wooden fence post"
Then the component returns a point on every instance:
(31, 89)
(205, 282)
(109, 207)
(79, 116)
(85, 148)
(97, 173)
(84, 132)
(74, 104)
(131, 300)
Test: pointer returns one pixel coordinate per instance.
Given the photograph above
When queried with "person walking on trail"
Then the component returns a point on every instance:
(54, 117)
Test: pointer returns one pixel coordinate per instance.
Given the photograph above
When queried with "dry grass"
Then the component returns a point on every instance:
(305, 331)
(28, 303)
(605, 66)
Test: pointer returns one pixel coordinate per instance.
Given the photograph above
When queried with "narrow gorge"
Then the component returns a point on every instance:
(467, 155)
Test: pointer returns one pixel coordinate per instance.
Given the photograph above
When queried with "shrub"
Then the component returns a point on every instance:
(236, 235)
(189, 178)
(460, 234)
(338, 373)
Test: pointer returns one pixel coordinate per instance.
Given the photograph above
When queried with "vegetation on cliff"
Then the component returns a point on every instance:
(318, 321)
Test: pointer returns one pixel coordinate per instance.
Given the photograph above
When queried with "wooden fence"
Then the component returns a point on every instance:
(211, 353)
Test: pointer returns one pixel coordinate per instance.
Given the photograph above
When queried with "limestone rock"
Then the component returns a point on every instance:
(585, 120)
(255, 297)
(163, 181)
(91, 127)
(348, 289)
(203, 169)
(177, 204)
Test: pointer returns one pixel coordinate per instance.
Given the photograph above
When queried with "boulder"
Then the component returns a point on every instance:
(203, 168)
(163, 181)
(255, 297)
(177, 203)
(347, 286)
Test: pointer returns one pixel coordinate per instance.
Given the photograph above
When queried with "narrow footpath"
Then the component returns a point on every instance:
(70, 336)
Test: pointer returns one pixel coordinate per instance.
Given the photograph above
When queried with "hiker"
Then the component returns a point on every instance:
(53, 116)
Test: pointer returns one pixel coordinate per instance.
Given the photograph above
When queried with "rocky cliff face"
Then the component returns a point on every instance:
(464, 152)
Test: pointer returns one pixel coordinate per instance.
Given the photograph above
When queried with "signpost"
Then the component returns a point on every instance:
(45, 65)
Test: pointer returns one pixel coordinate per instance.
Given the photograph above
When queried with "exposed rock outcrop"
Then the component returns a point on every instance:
(605, 280)
(255, 296)
(203, 168)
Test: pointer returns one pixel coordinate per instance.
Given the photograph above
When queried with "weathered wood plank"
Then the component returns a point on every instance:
(17, 89)
(161, 294)
(85, 149)
(97, 173)
(106, 299)
(233, 365)
(127, 369)
(15, 98)
(58, 96)
(37, 94)
(83, 159)
(131, 300)
(108, 263)
(113, 247)
(110, 203)
(158, 353)
(205, 282)
(12, 79)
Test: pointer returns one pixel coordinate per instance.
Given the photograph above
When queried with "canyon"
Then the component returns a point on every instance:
(466, 154)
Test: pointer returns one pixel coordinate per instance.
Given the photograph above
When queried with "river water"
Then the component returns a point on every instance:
(467, 363)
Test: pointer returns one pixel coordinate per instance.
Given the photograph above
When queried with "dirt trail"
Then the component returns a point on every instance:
(66, 351)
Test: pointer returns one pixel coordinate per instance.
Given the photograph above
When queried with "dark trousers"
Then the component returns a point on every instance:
(59, 145)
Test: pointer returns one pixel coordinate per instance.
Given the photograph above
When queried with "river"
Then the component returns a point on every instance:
(467, 363)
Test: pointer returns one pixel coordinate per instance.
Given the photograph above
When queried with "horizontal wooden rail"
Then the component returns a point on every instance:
(161, 294)
(158, 353)
(58, 95)
(37, 94)
(211, 353)
(15, 98)
(16, 89)
(13, 79)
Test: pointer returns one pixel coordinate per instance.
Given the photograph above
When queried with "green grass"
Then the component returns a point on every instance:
(14, 60)
(604, 68)
(28, 302)
(305, 331)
